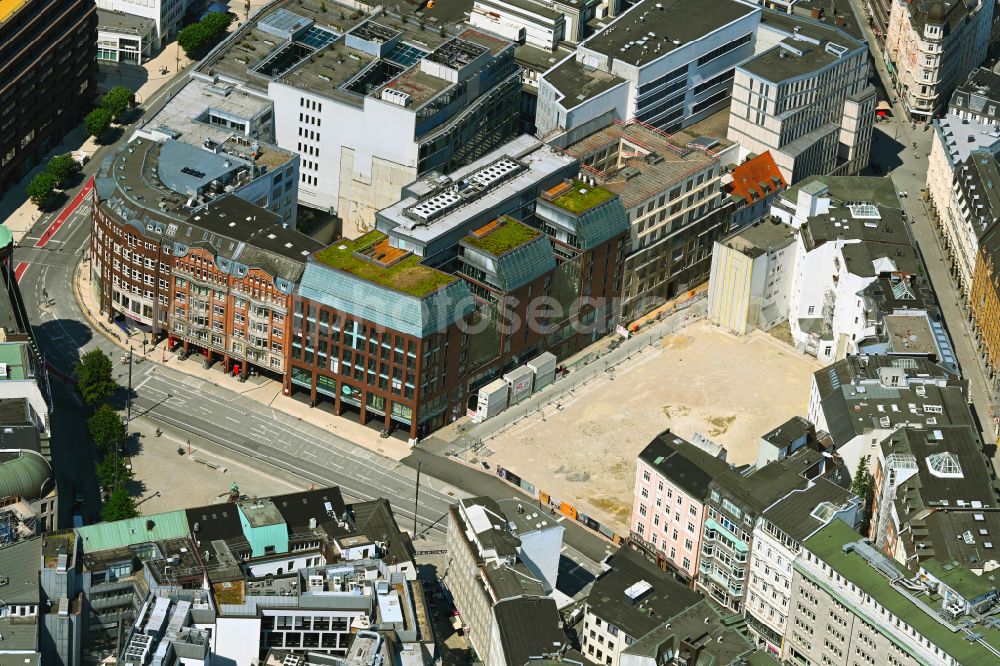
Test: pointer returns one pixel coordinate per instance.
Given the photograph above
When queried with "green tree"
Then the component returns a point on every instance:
(106, 429)
(193, 39)
(112, 472)
(62, 167)
(119, 506)
(93, 378)
(197, 38)
(217, 24)
(117, 101)
(861, 483)
(40, 188)
(97, 122)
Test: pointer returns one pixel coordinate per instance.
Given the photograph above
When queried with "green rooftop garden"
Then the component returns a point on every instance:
(582, 197)
(408, 276)
(827, 544)
(504, 238)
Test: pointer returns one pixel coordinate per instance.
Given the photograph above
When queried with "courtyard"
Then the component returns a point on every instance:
(701, 380)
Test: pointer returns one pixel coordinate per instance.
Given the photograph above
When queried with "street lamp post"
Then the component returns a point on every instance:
(128, 396)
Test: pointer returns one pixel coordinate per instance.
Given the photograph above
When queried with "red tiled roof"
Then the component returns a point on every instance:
(755, 178)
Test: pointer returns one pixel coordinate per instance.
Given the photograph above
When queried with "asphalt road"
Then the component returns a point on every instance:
(212, 416)
(903, 151)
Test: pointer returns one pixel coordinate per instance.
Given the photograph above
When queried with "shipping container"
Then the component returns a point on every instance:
(521, 381)
(492, 400)
(544, 367)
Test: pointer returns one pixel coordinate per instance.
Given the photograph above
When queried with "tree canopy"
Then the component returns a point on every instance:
(119, 506)
(62, 167)
(198, 38)
(97, 122)
(106, 429)
(112, 472)
(40, 188)
(93, 378)
(117, 101)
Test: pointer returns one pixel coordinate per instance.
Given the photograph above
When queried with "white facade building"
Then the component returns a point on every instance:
(752, 274)
(667, 64)
(842, 246)
(521, 21)
(167, 14)
(777, 540)
(955, 139)
(932, 46)
(806, 99)
(370, 103)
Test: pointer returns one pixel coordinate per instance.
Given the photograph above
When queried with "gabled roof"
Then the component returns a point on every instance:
(757, 178)
(685, 465)
(131, 531)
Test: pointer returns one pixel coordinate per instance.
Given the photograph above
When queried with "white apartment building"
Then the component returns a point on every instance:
(861, 400)
(777, 540)
(850, 232)
(806, 99)
(667, 63)
(493, 588)
(751, 280)
(955, 140)
(931, 47)
(166, 14)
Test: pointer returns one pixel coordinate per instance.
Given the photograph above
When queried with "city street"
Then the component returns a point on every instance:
(222, 421)
(901, 151)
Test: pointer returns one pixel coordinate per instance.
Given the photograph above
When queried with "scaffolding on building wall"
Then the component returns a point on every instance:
(17, 521)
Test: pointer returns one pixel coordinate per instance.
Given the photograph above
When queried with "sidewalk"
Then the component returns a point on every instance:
(267, 392)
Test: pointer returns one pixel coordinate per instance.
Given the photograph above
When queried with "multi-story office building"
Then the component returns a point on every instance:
(671, 188)
(978, 98)
(931, 47)
(370, 103)
(124, 38)
(806, 99)
(952, 169)
(406, 322)
(667, 64)
(165, 15)
(179, 250)
(500, 599)
(734, 504)
(975, 209)
(851, 604)
(984, 296)
(671, 485)
(777, 540)
(48, 78)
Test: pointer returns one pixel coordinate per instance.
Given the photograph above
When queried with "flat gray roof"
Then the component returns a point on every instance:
(578, 83)
(760, 237)
(671, 21)
(670, 160)
(799, 53)
(124, 23)
(312, 63)
(540, 161)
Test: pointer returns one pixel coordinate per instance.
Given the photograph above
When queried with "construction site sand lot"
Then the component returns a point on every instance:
(701, 379)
